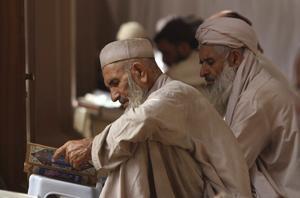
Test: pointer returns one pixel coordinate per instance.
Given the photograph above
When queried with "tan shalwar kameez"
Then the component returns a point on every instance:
(261, 112)
(264, 120)
(173, 145)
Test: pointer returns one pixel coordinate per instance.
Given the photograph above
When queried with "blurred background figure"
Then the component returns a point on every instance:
(162, 22)
(176, 41)
(131, 29)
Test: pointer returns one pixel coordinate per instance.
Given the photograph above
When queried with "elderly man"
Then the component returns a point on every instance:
(169, 142)
(257, 102)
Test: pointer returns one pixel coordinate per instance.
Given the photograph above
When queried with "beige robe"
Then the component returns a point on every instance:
(262, 114)
(173, 145)
(261, 110)
(188, 71)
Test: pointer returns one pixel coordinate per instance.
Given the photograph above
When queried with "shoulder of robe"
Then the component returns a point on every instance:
(269, 95)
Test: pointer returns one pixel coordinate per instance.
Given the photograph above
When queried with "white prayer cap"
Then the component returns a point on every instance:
(126, 49)
(232, 32)
(131, 29)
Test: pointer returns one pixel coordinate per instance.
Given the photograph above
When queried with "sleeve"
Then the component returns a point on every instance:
(117, 142)
(150, 121)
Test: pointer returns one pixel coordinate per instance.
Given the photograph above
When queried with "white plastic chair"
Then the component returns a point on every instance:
(44, 187)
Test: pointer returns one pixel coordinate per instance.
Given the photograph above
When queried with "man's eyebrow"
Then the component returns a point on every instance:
(205, 59)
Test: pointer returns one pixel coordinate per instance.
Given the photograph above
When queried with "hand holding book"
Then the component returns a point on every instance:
(40, 160)
(75, 152)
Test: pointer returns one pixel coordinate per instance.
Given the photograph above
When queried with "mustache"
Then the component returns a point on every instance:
(122, 99)
(209, 78)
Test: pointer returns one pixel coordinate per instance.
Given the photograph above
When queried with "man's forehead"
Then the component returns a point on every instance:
(113, 71)
(206, 50)
(113, 67)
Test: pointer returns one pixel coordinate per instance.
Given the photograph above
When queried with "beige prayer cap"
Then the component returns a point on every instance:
(126, 49)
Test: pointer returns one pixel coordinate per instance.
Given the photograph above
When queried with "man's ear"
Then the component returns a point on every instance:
(235, 57)
(138, 73)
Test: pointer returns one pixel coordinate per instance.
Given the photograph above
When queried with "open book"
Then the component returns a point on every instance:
(39, 161)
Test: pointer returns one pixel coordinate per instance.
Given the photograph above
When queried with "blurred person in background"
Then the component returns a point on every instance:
(257, 102)
(133, 29)
(176, 41)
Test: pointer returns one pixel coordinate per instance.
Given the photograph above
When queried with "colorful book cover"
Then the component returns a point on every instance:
(39, 161)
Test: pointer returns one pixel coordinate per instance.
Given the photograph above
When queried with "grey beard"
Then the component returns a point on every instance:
(136, 94)
(218, 94)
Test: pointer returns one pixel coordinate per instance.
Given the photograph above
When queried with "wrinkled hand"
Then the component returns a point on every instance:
(76, 152)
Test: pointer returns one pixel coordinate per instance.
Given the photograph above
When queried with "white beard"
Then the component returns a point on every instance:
(219, 93)
(136, 94)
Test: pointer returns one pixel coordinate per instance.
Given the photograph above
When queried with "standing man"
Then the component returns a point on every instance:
(170, 142)
(257, 102)
(176, 41)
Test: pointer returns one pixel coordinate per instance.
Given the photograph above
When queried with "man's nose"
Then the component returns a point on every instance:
(204, 71)
(114, 94)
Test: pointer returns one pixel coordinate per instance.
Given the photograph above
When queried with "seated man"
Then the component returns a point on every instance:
(170, 142)
(177, 43)
(257, 102)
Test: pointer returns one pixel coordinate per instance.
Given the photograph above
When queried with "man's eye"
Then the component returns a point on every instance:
(210, 62)
(114, 83)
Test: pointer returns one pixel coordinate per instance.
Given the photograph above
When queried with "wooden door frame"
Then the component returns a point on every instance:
(12, 95)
